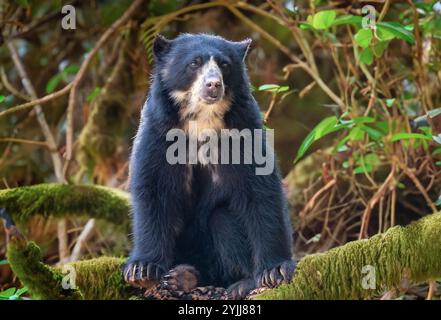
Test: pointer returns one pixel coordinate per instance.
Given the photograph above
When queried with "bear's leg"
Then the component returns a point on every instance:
(277, 275)
(183, 277)
(232, 250)
(240, 289)
(269, 232)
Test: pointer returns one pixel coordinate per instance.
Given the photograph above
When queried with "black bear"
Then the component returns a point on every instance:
(204, 224)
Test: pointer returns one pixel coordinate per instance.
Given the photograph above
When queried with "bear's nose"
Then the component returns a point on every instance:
(213, 83)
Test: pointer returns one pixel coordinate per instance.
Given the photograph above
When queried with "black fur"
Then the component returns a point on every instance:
(236, 234)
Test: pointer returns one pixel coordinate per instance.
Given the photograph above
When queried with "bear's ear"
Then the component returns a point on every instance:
(161, 45)
(244, 47)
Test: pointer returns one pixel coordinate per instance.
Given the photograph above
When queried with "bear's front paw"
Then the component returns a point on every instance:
(142, 274)
(239, 290)
(274, 277)
(181, 278)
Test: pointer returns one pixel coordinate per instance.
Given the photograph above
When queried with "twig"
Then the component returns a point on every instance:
(82, 239)
(373, 201)
(431, 291)
(35, 102)
(50, 140)
(384, 11)
(419, 186)
(314, 198)
(11, 88)
(63, 250)
(270, 108)
(287, 52)
(38, 143)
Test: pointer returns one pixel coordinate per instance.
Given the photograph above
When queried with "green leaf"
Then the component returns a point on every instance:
(384, 34)
(7, 293)
(71, 69)
(363, 169)
(347, 19)
(379, 47)
(273, 88)
(323, 19)
(2, 98)
(401, 185)
(93, 94)
(21, 291)
(390, 102)
(53, 82)
(373, 133)
(305, 26)
(407, 136)
(436, 151)
(356, 134)
(2, 262)
(382, 126)
(398, 30)
(366, 163)
(325, 127)
(366, 56)
(360, 120)
(315, 238)
(307, 142)
(363, 37)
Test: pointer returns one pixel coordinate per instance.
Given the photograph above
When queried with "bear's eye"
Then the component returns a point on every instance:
(225, 65)
(196, 63)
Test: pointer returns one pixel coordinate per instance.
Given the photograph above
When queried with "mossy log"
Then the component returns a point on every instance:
(99, 278)
(400, 256)
(63, 200)
(410, 254)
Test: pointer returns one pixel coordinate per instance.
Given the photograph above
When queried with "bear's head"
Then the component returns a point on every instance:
(202, 74)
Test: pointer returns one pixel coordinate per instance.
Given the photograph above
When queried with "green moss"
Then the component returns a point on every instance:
(61, 200)
(99, 278)
(43, 281)
(412, 253)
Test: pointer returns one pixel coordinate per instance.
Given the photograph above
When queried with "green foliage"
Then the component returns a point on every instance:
(406, 136)
(53, 82)
(363, 37)
(397, 30)
(93, 94)
(323, 19)
(325, 127)
(62, 200)
(274, 88)
(366, 56)
(12, 293)
(2, 98)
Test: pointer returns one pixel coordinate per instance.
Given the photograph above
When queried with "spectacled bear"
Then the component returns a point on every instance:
(217, 224)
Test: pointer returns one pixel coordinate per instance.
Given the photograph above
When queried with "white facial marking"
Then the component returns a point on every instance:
(193, 107)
